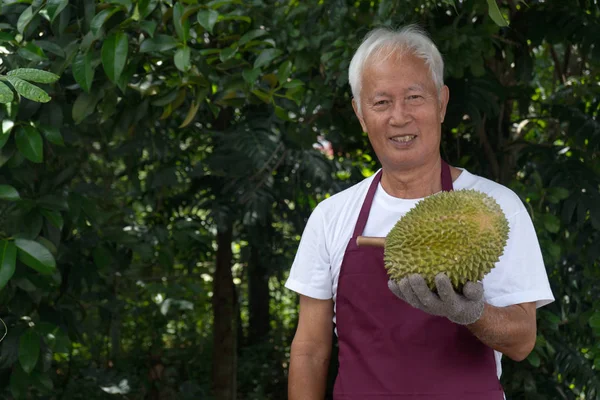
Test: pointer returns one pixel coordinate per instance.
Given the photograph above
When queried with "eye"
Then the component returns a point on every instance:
(415, 99)
(381, 102)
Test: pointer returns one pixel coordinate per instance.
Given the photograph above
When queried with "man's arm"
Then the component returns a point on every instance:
(510, 330)
(311, 350)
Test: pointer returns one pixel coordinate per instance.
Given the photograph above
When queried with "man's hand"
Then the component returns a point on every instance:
(464, 309)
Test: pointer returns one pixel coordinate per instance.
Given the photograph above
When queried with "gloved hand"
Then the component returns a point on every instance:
(462, 309)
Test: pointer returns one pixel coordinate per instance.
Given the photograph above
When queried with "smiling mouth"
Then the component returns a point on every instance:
(403, 139)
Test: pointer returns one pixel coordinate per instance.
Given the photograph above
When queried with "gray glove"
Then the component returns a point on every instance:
(463, 309)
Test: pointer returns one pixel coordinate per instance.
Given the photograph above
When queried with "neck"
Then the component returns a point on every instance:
(413, 183)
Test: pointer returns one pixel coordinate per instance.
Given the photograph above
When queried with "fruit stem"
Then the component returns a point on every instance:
(370, 241)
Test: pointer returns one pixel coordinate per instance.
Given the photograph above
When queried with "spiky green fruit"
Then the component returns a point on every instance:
(461, 233)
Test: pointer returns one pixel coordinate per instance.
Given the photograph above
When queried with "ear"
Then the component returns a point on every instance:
(444, 98)
(359, 115)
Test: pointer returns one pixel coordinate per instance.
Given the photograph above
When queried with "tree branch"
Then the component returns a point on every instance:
(488, 150)
(557, 66)
(566, 61)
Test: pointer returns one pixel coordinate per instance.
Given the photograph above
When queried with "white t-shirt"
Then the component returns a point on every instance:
(519, 275)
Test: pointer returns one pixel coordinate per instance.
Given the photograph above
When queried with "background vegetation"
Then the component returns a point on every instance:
(151, 209)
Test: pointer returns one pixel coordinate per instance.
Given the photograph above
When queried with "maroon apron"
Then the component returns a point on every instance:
(391, 350)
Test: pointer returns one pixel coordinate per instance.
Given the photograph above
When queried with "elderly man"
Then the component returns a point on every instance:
(399, 340)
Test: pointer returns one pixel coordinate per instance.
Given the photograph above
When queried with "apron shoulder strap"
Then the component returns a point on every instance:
(363, 216)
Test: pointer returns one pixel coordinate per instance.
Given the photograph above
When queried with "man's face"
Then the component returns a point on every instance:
(401, 111)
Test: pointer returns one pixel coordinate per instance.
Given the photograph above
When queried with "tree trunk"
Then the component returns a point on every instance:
(258, 298)
(224, 314)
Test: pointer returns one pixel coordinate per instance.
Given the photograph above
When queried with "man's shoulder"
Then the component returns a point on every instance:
(508, 200)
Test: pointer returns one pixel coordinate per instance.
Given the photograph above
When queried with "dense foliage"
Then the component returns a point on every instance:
(152, 197)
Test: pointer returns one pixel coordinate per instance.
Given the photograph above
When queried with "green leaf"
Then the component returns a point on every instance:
(294, 83)
(551, 223)
(24, 19)
(227, 53)
(57, 340)
(30, 143)
(100, 19)
(32, 52)
(29, 350)
(8, 193)
(6, 37)
(35, 256)
(218, 3)
(182, 59)
(534, 359)
(235, 18)
(83, 71)
(556, 194)
(266, 56)
(125, 3)
(295, 94)
(42, 381)
(51, 47)
(251, 75)
(266, 97)
(8, 260)
(182, 25)
(55, 7)
(34, 75)
(6, 95)
(127, 74)
(52, 134)
(54, 217)
(451, 3)
(158, 43)
(146, 7)
(7, 126)
(52, 202)
(4, 138)
(207, 19)
(6, 156)
(149, 27)
(84, 106)
(48, 244)
(193, 110)
(28, 90)
(495, 14)
(595, 320)
(284, 71)
(19, 381)
(248, 36)
(165, 99)
(114, 55)
(282, 114)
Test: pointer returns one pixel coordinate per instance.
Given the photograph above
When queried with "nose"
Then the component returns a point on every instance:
(400, 115)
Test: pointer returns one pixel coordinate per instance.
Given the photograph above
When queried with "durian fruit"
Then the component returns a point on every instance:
(461, 233)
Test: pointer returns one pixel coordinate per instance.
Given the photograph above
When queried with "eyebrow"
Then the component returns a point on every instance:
(417, 86)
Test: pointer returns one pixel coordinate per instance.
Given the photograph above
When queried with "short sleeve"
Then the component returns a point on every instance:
(520, 275)
(310, 274)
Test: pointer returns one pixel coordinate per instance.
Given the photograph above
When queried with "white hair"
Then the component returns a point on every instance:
(381, 43)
